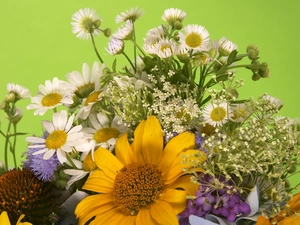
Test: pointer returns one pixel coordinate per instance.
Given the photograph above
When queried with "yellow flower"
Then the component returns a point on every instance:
(4, 220)
(144, 183)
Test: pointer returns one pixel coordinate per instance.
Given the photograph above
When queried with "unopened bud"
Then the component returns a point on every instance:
(177, 25)
(11, 97)
(212, 53)
(265, 73)
(107, 32)
(255, 76)
(253, 52)
(97, 23)
(17, 117)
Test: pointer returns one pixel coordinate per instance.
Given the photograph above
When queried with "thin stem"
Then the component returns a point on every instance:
(138, 47)
(71, 162)
(14, 145)
(6, 145)
(126, 56)
(95, 48)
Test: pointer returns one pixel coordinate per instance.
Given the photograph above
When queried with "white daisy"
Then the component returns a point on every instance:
(62, 138)
(50, 96)
(216, 114)
(194, 37)
(115, 46)
(165, 48)
(125, 32)
(226, 46)
(19, 91)
(132, 14)
(86, 22)
(102, 132)
(85, 83)
(173, 15)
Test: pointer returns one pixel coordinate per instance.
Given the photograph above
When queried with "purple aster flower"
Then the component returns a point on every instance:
(43, 169)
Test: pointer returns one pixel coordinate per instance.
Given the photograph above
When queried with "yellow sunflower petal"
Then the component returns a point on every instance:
(144, 217)
(4, 218)
(92, 206)
(174, 147)
(107, 162)
(185, 183)
(152, 143)
(137, 143)
(175, 170)
(93, 184)
(176, 198)
(22, 223)
(123, 150)
(163, 213)
(111, 217)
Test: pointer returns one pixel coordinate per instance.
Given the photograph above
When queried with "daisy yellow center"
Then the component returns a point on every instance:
(89, 164)
(51, 99)
(87, 24)
(218, 114)
(193, 40)
(56, 139)
(105, 134)
(92, 97)
(137, 185)
(165, 48)
(240, 113)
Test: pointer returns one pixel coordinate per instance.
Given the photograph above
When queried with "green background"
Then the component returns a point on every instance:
(36, 43)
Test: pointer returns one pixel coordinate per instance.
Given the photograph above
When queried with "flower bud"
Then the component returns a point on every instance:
(97, 23)
(255, 76)
(212, 53)
(2, 105)
(177, 25)
(253, 52)
(17, 116)
(264, 73)
(292, 169)
(107, 32)
(11, 97)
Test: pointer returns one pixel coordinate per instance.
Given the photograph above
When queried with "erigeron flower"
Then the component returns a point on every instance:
(275, 102)
(226, 46)
(132, 14)
(124, 32)
(115, 46)
(194, 37)
(19, 91)
(85, 22)
(102, 132)
(50, 96)
(240, 112)
(145, 161)
(63, 138)
(216, 114)
(154, 35)
(173, 15)
(83, 84)
(165, 48)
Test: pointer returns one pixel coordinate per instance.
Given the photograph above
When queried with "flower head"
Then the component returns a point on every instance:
(132, 14)
(173, 15)
(4, 220)
(21, 192)
(51, 95)
(62, 138)
(124, 32)
(85, 23)
(152, 176)
(115, 46)
(226, 46)
(19, 91)
(194, 37)
(216, 114)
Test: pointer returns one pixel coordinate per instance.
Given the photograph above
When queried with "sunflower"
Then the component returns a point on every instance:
(145, 183)
(4, 220)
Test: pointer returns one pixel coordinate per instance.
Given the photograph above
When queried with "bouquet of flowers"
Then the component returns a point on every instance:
(164, 139)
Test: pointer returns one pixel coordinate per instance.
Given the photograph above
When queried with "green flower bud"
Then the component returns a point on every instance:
(264, 73)
(97, 23)
(287, 183)
(11, 97)
(253, 52)
(292, 168)
(17, 117)
(107, 32)
(255, 76)
(61, 184)
(212, 53)
(233, 92)
(177, 25)
(2, 105)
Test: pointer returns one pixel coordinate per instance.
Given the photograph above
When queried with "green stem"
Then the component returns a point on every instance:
(138, 47)
(126, 56)
(6, 146)
(95, 48)
(14, 145)
(70, 161)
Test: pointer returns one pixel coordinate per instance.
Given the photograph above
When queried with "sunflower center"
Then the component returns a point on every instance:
(193, 40)
(105, 134)
(89, 164)
(92, 97)
(218, 114)
(137, 185)
(51, 99)
(56, 139)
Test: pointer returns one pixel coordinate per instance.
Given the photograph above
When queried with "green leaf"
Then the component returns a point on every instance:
(232, 57)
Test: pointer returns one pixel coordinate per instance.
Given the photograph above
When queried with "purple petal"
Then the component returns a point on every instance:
(245, 208)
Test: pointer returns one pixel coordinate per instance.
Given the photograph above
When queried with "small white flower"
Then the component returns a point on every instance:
(172, 15)
(19, 91)
(115, 46)
(216, 114)
(62, 138)
(85, 83)
(165, 48)
(277, 103)
(226, 46)
(125, 32)
(50, 96)
(132, 14)
(240, 112)
(84, 23)
(87, 104)
(195, 37)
